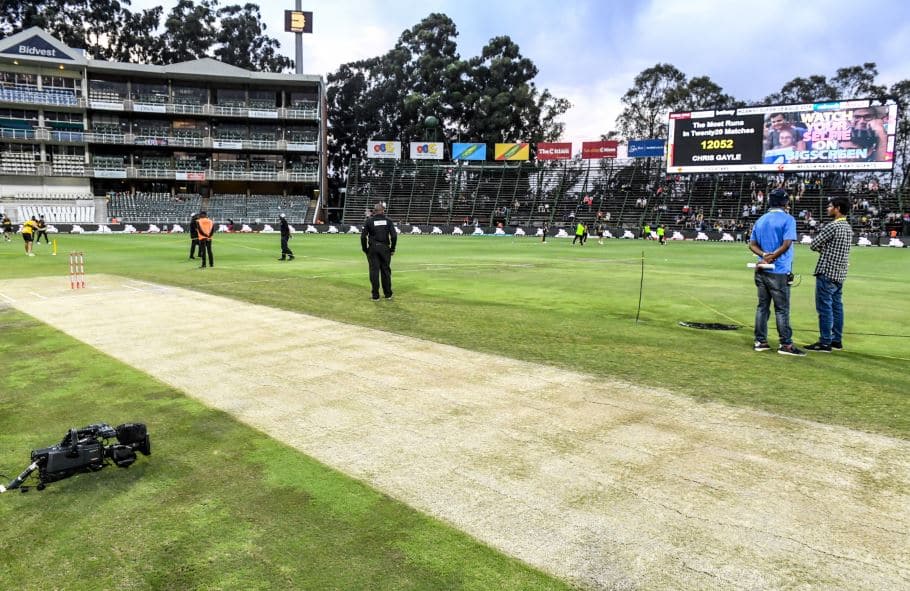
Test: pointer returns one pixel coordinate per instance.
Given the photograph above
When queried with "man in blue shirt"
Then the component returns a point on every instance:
(772, 240)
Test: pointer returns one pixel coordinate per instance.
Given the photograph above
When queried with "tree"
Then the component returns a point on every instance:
(804, 90)
(349, 97)
(655, 93)
(703, 93)
(242, 41)
(189, 31)
(858, 82)
(900, 92)
(107, 30)
(104, 28)
(490, 98)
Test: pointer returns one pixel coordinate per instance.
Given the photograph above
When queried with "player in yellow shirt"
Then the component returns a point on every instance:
(28, 234)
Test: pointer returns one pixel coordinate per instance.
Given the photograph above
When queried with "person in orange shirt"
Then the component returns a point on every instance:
(205, 228)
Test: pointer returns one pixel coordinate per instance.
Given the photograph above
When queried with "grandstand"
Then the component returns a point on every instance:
(140, 139)
(623, 194)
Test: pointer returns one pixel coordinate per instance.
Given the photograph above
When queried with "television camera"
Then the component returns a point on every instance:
(85, 450)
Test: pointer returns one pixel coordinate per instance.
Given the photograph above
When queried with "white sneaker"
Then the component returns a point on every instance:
(31, 254)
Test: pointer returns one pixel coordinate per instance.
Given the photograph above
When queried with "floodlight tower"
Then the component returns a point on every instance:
(299, 22)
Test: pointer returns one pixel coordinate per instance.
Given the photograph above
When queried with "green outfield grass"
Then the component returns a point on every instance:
(573, 307)
(221, 506)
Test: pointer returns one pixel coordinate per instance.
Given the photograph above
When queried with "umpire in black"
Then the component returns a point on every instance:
(286, 253)
(194, 237)
(378, 241)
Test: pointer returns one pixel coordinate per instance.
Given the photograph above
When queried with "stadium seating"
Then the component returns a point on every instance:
(109, 162)
(257, 208)
(68, 164)
(150, 207)
(624, 194)
(31, 94)
(16, 161)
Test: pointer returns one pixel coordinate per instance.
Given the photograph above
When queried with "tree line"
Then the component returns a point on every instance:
(491, 97)
(109, 30)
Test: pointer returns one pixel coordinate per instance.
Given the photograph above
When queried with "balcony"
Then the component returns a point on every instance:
(308, 113)
(301, 146)
(105, 138)
(303, 176)
(260, 144)
(32, 96)
(12, 134)
(154, 173)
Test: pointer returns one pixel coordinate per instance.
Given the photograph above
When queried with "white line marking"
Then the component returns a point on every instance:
(7, 298)
(37, 295)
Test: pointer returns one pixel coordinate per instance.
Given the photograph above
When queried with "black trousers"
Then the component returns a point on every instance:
(380, 258)
(40, 234)
(194, 243)
(285, 251)
(205, 246)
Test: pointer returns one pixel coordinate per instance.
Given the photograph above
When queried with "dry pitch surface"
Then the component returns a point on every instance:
(603, 483)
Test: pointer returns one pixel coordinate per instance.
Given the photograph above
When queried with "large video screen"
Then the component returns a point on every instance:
(845, 135)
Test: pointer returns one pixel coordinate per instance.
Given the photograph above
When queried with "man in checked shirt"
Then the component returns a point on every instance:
(833, 245)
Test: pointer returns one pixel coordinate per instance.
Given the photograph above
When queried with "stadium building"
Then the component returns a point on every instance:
(96, 142)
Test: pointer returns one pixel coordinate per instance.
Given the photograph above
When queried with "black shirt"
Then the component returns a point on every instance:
(378, 230)
(285, 228)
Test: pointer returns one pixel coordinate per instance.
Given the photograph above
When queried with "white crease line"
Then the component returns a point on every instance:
(7, 298)
(37, 295)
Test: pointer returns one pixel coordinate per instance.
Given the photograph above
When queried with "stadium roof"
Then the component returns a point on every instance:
(39, 46)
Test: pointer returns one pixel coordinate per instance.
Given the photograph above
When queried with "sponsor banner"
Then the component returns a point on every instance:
(106, 106)
(227, 144)
(37, 47)
(147, 108)
(189, 176)
(607, 149)
(383, 149)
(554, 151)
(647, 148)
(469, 151)
(260, 114)
(427, 150)
(152, 141)
(513, 151)
(110, 174)
(842, 135)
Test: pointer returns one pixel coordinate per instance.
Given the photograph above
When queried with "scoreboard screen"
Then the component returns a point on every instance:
(843, 135)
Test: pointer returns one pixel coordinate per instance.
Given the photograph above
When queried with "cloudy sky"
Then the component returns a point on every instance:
(589, 51)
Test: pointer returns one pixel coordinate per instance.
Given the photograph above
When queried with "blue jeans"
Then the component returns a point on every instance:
(830, 310)
(773, 287)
